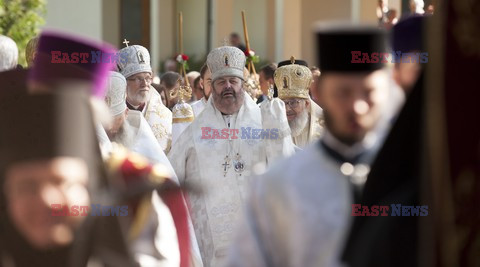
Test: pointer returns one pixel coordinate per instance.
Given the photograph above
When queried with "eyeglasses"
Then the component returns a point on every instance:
(140, 79)
(292, 103)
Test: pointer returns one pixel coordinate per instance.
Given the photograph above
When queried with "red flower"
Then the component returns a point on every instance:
(185, 57)
(250, 53)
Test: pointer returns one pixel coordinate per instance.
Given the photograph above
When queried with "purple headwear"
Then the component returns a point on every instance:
(62, 57)
(406, 35)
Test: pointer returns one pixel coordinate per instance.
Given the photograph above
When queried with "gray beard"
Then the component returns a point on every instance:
(229, 109)
(138, 97)
(124, 135)
(299, 123)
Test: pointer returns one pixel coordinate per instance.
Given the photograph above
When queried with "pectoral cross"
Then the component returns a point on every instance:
(225, 165)
(126, 42)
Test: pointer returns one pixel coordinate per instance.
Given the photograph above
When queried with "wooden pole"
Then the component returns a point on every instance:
(245, 30)
(180, 29)
(251, 66)
(180, 42)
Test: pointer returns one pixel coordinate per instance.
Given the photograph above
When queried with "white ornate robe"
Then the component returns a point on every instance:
(215, 212)
(299, 212)
(159, 117)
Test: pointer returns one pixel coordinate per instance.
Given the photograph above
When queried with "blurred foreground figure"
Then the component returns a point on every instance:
(147, 237)
(157, 226)
(430, 158)
(56, 69)
(393, 180)
(49, 157)
(298, 213)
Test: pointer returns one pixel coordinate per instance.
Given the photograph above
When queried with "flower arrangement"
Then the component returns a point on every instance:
(182, 60)
(251, 57)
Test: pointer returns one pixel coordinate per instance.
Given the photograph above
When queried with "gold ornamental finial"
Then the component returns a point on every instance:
(184, 92)
(292, 60)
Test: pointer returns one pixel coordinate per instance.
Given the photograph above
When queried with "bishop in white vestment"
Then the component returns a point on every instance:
(220, 149)
(304, 116)
(134, 64)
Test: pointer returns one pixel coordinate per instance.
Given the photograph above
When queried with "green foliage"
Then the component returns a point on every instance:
(21, 21)
(254, 59)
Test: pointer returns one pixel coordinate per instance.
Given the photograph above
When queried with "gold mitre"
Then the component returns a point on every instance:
(293, 81)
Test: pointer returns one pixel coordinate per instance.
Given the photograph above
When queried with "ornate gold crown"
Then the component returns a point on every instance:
(293, 81)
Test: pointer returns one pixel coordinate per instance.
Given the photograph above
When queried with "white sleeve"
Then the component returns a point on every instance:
(274, 117)
(178, 155)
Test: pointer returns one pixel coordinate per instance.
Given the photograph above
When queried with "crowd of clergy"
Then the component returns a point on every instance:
(288, 152)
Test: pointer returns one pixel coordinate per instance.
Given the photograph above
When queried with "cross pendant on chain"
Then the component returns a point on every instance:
(225, 165)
